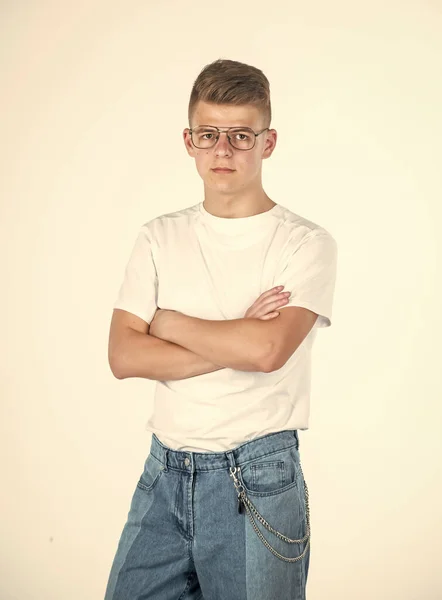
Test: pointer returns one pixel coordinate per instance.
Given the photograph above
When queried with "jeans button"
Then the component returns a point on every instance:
(187, 462)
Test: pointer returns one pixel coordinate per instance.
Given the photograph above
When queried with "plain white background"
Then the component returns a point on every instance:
(93, 104)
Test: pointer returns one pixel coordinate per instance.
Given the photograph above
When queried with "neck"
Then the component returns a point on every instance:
(232, 208)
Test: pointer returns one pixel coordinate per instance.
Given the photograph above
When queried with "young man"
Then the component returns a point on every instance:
(221, 510)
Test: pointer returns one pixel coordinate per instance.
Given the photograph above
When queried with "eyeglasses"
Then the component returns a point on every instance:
(241, 138)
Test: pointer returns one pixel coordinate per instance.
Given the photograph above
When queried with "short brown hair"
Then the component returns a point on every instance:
(231, 82)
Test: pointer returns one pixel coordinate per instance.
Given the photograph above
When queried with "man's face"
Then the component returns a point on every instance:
(246, 164)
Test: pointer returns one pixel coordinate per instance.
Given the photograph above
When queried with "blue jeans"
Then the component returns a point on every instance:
(189, 532)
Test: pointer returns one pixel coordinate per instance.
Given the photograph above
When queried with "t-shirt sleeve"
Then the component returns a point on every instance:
(310, 275)
(138, 292)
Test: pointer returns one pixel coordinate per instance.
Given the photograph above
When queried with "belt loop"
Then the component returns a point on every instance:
(165, 459)
(297, 438)
(231, 459)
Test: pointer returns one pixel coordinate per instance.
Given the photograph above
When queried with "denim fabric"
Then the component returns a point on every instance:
(186, 539)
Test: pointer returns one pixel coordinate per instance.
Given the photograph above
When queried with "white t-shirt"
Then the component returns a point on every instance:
(215, 268)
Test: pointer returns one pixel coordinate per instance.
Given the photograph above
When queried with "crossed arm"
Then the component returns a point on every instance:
(247, 344)
(175, 346)
(178, 346)
(243, 344)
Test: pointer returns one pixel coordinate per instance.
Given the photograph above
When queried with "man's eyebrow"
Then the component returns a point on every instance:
(227, 126)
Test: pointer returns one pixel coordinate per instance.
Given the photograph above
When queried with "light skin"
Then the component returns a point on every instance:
(194, 334)
(237, 194)
(231, 195)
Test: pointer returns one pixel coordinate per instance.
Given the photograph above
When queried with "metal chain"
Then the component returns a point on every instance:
(242, 497)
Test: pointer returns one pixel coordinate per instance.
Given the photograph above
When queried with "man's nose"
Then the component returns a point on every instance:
(222, 142)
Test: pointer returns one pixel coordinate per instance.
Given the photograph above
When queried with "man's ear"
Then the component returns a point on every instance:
(188, 142)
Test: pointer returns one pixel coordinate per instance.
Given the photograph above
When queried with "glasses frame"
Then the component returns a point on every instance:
(226, 130)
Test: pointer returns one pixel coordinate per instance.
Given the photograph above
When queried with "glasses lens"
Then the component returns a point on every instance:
(242, 138)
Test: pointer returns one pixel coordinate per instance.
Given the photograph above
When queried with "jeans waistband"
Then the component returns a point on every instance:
(208, 461)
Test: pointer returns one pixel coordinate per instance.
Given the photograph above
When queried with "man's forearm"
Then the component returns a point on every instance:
(241, 344)
(146, 356)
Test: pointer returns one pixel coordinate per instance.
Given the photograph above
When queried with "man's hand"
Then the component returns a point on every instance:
(263, 307)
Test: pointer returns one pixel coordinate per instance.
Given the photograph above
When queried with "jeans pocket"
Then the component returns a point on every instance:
(270, 475)
(152, 472)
